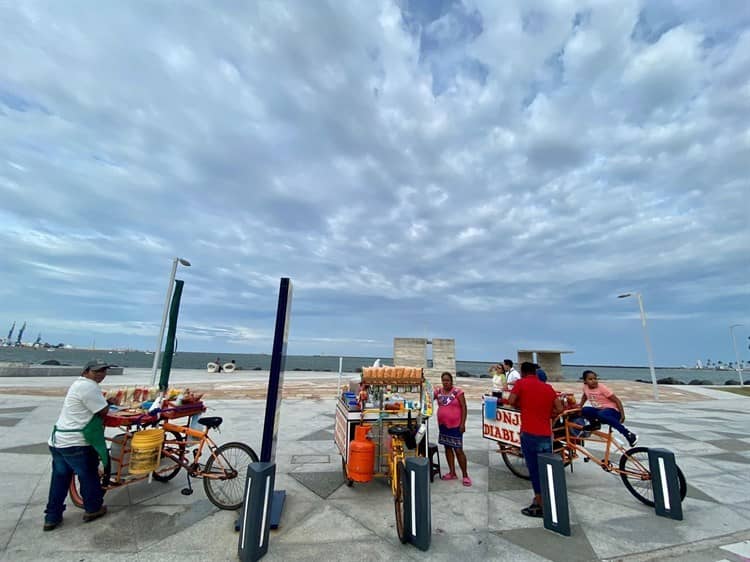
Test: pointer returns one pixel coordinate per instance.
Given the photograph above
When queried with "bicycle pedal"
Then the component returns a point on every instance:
(186, 492)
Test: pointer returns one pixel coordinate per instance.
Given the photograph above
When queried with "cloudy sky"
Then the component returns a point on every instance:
(493, 172)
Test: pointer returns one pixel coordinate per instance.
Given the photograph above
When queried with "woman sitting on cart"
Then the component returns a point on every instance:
(605, 407)
(452, 423)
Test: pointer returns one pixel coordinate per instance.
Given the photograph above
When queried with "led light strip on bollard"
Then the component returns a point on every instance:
(255, 529)
(554, 494)
(665, 483)
(417, 502)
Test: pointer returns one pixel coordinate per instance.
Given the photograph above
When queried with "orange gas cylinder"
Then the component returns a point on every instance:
(361, 455)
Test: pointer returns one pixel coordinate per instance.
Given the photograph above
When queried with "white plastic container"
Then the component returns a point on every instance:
(119, 457)
(196, 426)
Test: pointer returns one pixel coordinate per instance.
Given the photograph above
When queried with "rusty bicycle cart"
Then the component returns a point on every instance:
(572, 442)
(380, 424)
(186, 445)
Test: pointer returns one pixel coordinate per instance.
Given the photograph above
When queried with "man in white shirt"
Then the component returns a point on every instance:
(511, 375)
(77, 444)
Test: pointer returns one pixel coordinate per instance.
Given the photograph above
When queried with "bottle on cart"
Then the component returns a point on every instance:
(421, 433)
(156, 406)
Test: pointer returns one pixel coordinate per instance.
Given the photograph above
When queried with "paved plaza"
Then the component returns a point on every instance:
(323, 519)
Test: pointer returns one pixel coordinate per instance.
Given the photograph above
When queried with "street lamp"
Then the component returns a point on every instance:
(645, 337)
(157, 353)
(736, 355)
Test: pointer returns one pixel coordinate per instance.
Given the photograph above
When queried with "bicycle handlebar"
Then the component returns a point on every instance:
(570, 411)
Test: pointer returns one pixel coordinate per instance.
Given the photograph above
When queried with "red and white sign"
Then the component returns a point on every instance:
(340, 432)
(505, 428)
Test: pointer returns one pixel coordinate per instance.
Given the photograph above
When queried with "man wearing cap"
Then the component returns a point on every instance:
(77, 444)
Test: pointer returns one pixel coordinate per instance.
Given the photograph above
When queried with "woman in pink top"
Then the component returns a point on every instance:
(452, 423)
(605, 407)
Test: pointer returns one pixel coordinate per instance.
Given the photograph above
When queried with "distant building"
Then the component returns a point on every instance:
(412, 352)
(548, 359)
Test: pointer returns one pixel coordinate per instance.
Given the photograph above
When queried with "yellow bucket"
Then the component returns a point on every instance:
(145, 451)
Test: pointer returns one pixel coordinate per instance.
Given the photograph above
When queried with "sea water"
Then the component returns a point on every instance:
(250, 361)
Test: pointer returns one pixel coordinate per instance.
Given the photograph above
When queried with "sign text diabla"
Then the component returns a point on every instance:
(505, 428)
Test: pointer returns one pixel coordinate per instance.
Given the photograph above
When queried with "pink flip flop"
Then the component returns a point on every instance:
(449, 476)
(467, 481)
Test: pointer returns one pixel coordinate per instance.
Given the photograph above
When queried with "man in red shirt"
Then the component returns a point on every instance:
(538, 403)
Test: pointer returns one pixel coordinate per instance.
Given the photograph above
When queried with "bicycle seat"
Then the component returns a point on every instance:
(211, 422)
(398, 430)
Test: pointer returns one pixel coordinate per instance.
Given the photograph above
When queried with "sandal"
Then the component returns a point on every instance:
(533, 511)
(467, 481)
(449, 476)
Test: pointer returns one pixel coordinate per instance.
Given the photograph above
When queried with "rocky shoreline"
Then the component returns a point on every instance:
(694, 382)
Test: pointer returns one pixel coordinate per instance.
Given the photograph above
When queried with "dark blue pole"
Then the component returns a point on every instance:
(263, 504)
(276, 376)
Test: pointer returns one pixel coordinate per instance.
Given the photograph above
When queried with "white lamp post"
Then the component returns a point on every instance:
(736, 355)
(157, 353)
(645, 337)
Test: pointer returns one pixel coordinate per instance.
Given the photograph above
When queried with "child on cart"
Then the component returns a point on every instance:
(605, 407)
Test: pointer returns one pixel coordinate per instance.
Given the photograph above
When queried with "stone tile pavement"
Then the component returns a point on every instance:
(324, 519)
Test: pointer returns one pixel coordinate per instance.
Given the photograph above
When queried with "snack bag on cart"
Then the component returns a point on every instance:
(426, 398)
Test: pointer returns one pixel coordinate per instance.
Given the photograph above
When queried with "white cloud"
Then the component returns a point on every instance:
(490, 171)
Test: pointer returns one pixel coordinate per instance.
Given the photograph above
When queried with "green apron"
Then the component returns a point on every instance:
(93, 433)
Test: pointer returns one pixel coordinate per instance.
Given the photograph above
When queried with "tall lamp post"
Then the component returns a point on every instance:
(736, 355)
(645, 337)
(157, 353)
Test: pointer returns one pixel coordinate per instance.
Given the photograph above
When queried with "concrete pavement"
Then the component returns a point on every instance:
(323, 519)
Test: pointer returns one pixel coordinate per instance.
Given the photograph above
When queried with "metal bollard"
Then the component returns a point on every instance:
(256, 511)
(665, 483)
(554, 493)
(417, 509)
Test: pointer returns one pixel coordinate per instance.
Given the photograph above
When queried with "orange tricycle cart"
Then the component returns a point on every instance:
(379, 422)
(502, 424)
(572, 438)
(156, 446)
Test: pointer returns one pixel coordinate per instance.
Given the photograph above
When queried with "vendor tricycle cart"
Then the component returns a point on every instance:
(380, 424)
(185, 444)
(572, 440)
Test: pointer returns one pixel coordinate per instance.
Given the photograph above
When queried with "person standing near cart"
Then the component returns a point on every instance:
(77, 444)
(498, 381)
(511, 375)
(538, 403)
(452, 424)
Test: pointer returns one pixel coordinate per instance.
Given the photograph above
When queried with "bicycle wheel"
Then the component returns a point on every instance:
(74, 489)
(516, 464)
(224, 475)
(398, 502)
(171, 464)
(638, 481)
(349, 481)
(74, 492)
